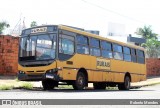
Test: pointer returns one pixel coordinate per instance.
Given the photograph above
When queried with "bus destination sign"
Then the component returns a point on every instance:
(103, 64)
(39, 30)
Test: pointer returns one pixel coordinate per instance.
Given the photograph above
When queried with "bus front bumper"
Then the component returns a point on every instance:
(38, 77)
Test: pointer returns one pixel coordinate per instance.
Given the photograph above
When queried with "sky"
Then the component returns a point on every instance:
(87, 14)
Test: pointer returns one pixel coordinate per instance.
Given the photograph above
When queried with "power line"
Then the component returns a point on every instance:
(114, 12)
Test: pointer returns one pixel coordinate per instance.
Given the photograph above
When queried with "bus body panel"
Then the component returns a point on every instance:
(116, 74)
(99, 69)
(71, 66)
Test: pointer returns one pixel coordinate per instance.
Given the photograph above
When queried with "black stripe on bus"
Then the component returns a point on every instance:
(102, 70)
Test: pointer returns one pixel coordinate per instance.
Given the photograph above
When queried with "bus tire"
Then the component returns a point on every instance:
(126, 84)
(48, 84)
(80, 82)
(99, 86)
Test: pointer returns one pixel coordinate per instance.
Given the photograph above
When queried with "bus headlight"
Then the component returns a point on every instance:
(21, 72)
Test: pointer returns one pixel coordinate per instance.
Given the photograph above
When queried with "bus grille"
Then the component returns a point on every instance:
(35, 65)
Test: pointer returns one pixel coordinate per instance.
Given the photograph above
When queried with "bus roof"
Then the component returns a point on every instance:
(98, 36)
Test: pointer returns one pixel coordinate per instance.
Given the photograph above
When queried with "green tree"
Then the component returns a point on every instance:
(33, 24)
(152, 44)
(152, 47)
(146, 32)
(3, 25)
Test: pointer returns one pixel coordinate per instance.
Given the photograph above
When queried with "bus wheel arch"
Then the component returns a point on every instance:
(126, 83)
(81, 79)
(83, 70)
(128, 74)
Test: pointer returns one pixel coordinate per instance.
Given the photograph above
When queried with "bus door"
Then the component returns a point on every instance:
(65, 55)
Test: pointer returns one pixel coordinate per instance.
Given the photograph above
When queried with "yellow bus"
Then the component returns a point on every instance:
(59, 53)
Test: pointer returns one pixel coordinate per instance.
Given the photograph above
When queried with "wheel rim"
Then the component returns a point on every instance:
(80, 81)
(127, 83)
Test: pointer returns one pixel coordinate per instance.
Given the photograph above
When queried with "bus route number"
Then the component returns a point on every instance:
(39, 30)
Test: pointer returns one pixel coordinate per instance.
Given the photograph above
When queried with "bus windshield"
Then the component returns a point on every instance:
(38, 47)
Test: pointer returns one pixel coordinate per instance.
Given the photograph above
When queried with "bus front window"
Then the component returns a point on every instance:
(38, 47)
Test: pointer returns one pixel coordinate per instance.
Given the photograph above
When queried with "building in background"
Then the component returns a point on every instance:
(117, 32)
(136, 40)
(116, 29)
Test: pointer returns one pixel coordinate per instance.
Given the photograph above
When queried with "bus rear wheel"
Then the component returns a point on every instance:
(126, 84)
(80, 82)
(49, 84)
(100, 86)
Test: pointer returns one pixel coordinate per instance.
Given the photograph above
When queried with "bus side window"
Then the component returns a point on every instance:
(127, 54)
(66, 44)
(140, 57)
(133, 55)
(106, 49)
(82, 44)
(95, 47)
(117, 52)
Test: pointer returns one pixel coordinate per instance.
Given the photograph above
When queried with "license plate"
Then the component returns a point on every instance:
(49, 76)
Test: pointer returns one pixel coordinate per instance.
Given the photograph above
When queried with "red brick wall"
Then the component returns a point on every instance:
(8, 55)
(153, 67)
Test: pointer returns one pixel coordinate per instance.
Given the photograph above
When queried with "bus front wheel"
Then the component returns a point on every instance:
(80, 81)
(125, 85)
(49, 84)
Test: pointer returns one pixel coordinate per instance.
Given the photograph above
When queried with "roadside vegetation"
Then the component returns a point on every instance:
(16, 84)
(3, 26)
(65, 86)
(17, 80)
(26, 85)
(6, 87)
(112, 88)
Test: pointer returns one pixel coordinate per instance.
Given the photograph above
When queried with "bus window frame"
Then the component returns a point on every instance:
(107, 50)
(69, 37)
(80, 44)
(122, 59)
(94, 47)
(133, 55)
(137, 52)
(127, 54)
